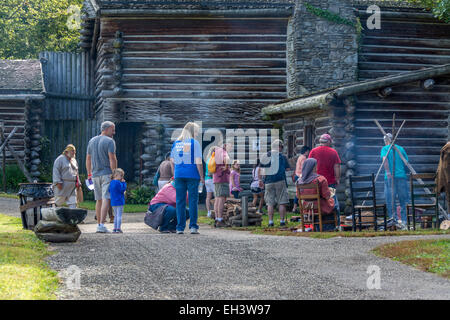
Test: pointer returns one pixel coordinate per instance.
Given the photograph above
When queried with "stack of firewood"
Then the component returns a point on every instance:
(232, 213)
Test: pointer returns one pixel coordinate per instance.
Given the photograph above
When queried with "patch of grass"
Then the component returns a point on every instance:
(24, 274)
(277, 231)
(345, 234)
(426, 255)
(129, 208)
(9, 195)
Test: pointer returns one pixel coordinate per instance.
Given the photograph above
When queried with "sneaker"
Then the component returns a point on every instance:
(270, 224)
(209, 214)
(180, 232)
(282, 224)
(173, 231)
(194, 231)
(164, 231)
(102, 229)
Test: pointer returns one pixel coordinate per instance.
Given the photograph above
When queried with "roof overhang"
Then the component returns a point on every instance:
(284, 12)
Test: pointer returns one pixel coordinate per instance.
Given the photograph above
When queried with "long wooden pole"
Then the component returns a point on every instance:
(5, 141)
(393, 173)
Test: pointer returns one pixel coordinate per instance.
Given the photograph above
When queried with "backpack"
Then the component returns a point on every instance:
(212, 163)
(155, 218)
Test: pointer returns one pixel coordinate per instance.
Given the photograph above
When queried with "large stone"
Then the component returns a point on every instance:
(316, 62)
(54, 231)
(146, 157)
(351, 59)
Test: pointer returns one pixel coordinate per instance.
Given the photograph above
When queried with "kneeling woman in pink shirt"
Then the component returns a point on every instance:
(167, 195)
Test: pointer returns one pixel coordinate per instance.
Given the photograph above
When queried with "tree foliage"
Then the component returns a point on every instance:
(440, 8)
(28, 27)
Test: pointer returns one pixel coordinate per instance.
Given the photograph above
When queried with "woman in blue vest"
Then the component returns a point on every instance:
(187, 158)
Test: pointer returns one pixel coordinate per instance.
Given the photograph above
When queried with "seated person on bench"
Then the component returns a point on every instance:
(309, 175)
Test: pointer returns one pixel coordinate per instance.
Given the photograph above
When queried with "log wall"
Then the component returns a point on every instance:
(164, 72)
(12, 113)
(165, 67)
(403, 43)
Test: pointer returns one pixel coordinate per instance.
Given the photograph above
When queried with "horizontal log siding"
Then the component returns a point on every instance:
(12, 115)
(401, 45)
(176, 68)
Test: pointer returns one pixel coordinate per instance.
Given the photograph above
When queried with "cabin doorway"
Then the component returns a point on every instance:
(126, 147)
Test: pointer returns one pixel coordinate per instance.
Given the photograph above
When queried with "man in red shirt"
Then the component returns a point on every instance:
(328, 164)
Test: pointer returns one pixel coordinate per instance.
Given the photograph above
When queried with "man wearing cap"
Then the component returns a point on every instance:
(65, 178)
(399, 177)
(328, 164)
(274, 178)
(101, 160)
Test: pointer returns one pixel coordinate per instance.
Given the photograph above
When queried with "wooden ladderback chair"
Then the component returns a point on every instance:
(310, 211)
(420, 199)
(362, 189)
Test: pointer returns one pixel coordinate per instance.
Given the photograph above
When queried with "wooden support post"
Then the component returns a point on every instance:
(244, 210)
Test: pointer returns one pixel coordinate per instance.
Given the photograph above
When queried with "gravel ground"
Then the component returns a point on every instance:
(225, 264)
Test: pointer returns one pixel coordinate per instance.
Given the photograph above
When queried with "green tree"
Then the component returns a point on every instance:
(440, 8)
(28, 27)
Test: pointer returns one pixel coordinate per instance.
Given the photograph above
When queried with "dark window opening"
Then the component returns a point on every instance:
(308, 136)
(291, 146)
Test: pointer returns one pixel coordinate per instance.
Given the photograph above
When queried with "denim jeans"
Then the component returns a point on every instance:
(118, 210)
(400, 192)
(188, 186)
(170, 216)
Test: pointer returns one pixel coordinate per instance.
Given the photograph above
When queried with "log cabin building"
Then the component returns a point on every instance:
(21, 106)
(347, 112)
(150, 66)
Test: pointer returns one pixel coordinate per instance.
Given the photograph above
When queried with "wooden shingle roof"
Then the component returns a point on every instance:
(21, 75)
(20, 78)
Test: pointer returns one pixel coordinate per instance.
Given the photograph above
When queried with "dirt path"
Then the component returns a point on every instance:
(225, 264)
